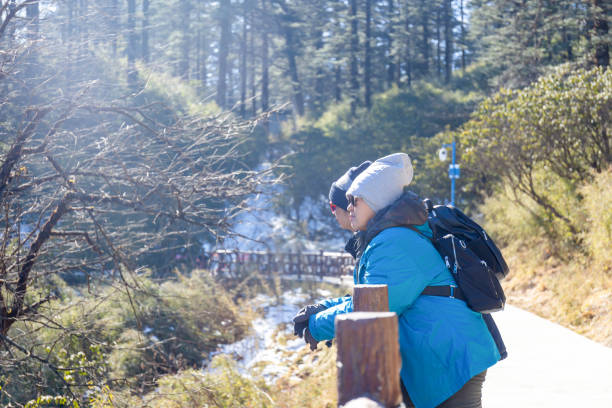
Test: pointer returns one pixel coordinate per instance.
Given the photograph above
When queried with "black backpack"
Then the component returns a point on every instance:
(471, 255)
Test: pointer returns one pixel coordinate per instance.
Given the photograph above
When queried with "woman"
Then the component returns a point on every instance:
(445, 346)
(338, 204)
(337, 194)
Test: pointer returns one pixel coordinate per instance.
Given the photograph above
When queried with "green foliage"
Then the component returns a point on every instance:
(518, 42)
(224, 387)
(551, 274)
(158, 329)
(176, 326)
(597, 234)
(181, 97)
(551, 134)
(311, 382)
(511, 215)
(48, 401)
(399, 120)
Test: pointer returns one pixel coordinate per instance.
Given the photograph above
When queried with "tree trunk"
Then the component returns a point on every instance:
(243, 60)
(9, 317)
(462, 38)
(251, 52)
(408, 54)
(367, 68)
(438, 44)
(183, 67)
(338, 85)
(338, 81)
(369, 360)
(202, 45)
(448, 40)
(224, 44)
(390, 53)
(425, 36)
(264, 64)
(319, 86)
(131, 49)
(231, 84)
(353, 57)
(204, 65)
(600, 28)
(114, 24)
(145, 31)
(83, 27)
(32, 15)
(290, 51)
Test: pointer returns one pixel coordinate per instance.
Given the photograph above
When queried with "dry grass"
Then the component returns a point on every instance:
(567, 279)
(311, 382)
(574, 294)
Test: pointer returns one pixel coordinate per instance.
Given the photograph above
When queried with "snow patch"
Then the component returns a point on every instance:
(269, 230)
(262, 348)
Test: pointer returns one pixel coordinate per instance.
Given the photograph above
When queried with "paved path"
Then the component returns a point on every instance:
(547, 366)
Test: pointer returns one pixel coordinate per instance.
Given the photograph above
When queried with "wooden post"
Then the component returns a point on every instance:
(370, 298)
(363, 402)
(238, 263)
(320, 263)
(287, 262)
(368, 360)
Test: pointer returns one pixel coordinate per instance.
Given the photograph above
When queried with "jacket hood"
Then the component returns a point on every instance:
(407, 211)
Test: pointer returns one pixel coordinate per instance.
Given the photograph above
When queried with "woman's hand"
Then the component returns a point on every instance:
(300, 320)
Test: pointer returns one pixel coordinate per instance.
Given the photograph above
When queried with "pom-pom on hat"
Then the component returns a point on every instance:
(383, 181)
(337, 191)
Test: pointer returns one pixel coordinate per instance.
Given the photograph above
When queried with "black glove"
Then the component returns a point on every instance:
(300, 321)
(310, 340)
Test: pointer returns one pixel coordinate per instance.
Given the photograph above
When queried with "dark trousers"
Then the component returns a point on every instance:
(469, 396)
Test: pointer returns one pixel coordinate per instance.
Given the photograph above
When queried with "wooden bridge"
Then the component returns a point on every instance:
(235, 263)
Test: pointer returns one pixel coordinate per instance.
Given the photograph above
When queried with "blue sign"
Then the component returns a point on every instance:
(453, 171)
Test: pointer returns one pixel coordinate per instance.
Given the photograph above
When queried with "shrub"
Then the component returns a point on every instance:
(597, 234)
(132, 339)
(225, 387)
(545, 138)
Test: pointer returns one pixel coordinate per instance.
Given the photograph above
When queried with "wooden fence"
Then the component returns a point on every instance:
(368, 358)
(368, 349)
(234, 263)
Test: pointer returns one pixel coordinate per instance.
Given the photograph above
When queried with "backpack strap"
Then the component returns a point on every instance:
(412, 227)
(428, 205)
(451, 291)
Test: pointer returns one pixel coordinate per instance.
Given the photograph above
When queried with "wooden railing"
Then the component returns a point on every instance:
(368, 348)
(368, 358)
(234, 263)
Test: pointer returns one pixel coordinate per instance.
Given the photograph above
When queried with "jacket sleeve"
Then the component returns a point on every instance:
(321, 325)
(399, 260)
(333, 301)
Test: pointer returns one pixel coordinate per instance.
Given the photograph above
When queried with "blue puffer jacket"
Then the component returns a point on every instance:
(443, 343)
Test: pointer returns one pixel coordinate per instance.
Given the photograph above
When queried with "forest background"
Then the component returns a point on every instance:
(134, 133)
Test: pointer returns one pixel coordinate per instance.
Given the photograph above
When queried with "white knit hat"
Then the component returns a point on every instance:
(383, 182)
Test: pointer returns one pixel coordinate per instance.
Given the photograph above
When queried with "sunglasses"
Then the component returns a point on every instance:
(333, 207)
